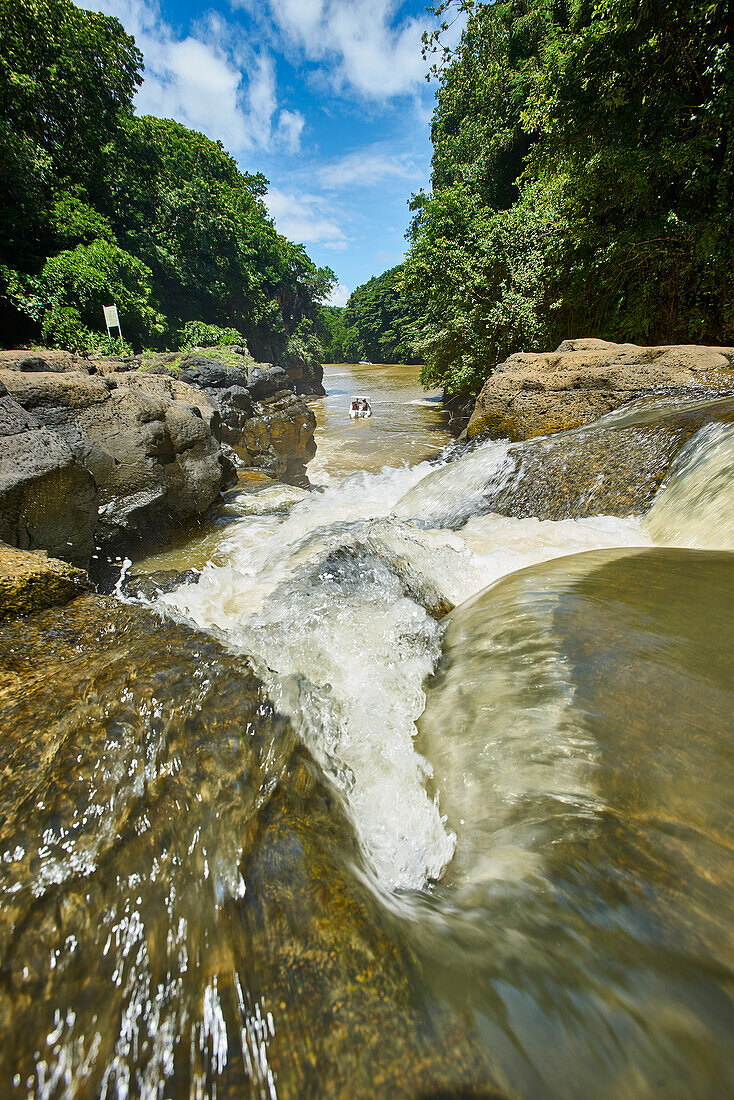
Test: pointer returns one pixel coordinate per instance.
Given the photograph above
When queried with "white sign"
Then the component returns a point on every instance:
(110, 316)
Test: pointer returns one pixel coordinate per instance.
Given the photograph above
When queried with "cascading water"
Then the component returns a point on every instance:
(540, 893)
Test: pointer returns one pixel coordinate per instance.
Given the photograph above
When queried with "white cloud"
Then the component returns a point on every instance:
(290, 127)
(304, 218)
(367, 167)
(339, 295)
(362, 45)
(200, 80)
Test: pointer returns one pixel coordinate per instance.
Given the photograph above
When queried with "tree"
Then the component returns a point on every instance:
(380, 320)
(66, 75)
(582, 182)
(76, 284)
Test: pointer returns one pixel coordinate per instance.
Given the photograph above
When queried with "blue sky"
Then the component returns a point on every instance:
(326, 97)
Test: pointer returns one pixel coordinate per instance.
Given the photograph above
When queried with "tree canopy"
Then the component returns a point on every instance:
(378, 323)
(100, 205)
(582, 182)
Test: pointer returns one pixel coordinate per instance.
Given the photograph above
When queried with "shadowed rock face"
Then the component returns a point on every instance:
(194, 882)
(539, 393)
(47, 498)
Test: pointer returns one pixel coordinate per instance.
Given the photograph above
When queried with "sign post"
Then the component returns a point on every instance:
(112, 320)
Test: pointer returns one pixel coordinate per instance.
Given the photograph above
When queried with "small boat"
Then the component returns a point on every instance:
(365, 363)
(359, 408)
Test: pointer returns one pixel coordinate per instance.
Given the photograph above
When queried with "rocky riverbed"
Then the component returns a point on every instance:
(284, 824)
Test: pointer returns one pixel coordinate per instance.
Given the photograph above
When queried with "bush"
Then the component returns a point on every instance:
(63, 328)
(198, 334)
(79, 282)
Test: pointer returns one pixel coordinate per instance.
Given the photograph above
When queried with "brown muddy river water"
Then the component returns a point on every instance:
(406, 425)
(398, 797)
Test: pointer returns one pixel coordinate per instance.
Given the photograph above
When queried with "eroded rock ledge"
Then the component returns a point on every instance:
(533, 394)
(101, 452)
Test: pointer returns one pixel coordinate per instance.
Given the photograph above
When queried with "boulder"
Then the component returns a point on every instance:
(266, 424)
(278, 437)
(41, 359)
(149, 444)
(534, 394)
(48, 500)
(31, 582)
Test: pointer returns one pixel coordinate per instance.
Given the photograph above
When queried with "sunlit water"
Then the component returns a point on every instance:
(539, 782)
(406, 426)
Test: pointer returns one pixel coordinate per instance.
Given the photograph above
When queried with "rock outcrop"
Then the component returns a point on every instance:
(104, 458)
(534, 394)
(31, 582)
(614, 470)
(113, 449)
(47, 498)
(262, 419)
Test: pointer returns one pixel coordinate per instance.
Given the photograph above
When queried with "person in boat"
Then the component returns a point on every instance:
(359, 408)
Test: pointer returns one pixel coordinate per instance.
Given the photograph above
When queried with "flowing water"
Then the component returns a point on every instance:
(406, 425)
(457, 850)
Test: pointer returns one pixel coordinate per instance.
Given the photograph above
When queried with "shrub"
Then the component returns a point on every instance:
(198, 334)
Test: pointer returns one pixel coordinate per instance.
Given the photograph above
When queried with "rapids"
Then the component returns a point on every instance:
(527, 725)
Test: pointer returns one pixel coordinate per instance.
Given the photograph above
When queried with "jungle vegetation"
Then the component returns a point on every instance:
(582, 181)
(99, 205)
(378, 323)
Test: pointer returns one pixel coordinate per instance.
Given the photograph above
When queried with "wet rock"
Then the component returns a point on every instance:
(613, 470)
(151, 586)
(30, 582)
(195, 882)
(327, 959)
(534, 394)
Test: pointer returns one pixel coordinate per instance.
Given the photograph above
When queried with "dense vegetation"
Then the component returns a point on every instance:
(98, 205)
(378, 323)
(583, 182)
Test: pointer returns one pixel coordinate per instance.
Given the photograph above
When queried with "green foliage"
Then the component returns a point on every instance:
(305, 349)
(178, 201)
(582, 182)
(380, 321)
(83, 280)
(197, 334)
(332, 321)
(66, 75)
(99, 206)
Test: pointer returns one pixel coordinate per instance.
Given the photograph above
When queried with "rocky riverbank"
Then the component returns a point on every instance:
(538, 393)
(104, 453)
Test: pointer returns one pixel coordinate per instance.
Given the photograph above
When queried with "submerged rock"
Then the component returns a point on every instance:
(538, 393)
(613, 469)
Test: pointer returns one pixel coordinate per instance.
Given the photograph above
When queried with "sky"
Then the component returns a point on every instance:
(327, 98)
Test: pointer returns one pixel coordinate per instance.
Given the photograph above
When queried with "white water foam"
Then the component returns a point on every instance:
(331, 602)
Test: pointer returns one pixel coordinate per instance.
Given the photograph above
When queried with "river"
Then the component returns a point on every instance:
(537, 898)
